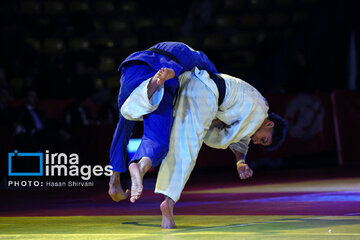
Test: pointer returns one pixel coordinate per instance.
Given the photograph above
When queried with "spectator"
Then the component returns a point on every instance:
(29, 118)
(29, 124)
(78, 113)
(109, 111)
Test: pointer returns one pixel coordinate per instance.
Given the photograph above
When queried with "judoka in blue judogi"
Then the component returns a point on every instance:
(135, 70)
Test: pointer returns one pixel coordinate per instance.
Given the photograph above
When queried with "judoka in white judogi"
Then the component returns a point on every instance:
(243, 111)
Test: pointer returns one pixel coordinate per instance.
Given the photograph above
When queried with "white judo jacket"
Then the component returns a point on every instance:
(243, 111)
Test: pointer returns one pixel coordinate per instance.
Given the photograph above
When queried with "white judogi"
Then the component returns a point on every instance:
(243, 111)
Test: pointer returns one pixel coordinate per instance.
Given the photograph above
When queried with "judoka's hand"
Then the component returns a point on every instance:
(244, 171)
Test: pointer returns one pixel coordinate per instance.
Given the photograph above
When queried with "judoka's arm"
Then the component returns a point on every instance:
(238, 149)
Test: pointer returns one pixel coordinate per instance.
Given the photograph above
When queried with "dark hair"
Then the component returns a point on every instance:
(278, 132)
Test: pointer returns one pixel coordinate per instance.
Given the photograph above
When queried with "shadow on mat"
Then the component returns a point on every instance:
(155, 225)
(270, 226)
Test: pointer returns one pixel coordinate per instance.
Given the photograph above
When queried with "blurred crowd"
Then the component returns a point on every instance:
(70, 51)
(29, 128)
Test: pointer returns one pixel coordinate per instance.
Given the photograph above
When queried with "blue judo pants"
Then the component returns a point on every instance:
(157, 125)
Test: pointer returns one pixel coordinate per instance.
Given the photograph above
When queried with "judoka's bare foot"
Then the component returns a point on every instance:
(159, 78)
(115, 191)
(137, 172)
(167, 211)
(164, 74)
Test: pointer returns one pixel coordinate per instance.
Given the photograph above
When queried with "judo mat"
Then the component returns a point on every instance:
(271, 207)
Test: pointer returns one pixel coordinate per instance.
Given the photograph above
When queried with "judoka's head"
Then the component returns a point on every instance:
(271, 133)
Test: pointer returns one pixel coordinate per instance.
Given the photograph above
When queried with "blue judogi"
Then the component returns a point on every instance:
(137, 68)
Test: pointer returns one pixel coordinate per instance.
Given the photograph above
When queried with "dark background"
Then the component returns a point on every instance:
(61, 57)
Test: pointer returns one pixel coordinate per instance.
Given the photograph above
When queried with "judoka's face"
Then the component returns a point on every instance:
(263, 135)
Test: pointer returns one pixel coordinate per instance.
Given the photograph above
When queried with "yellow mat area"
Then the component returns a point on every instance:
(328, 185)
(189, 227)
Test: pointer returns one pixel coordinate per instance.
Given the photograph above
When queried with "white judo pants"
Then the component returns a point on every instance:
(195, 109)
